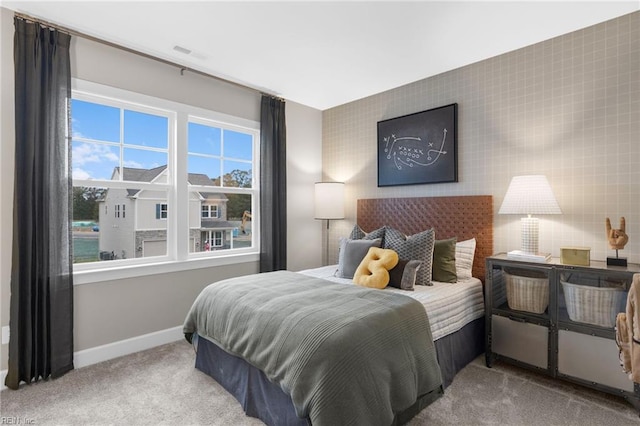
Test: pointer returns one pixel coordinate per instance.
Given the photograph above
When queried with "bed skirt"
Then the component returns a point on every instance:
(266, 401)
(458, 349)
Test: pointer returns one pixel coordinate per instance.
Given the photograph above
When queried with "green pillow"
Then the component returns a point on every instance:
(444, 261)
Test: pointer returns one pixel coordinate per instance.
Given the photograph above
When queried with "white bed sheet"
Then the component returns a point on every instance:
(449, 306)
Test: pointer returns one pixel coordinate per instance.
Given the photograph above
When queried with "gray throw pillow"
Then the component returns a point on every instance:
(403, 275)
(414, 247)
(351, 254)
(358, 234)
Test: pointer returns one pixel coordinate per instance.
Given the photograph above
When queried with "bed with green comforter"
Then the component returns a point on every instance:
(346, 355)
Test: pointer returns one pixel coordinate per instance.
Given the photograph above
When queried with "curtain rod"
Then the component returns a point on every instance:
(181, 67)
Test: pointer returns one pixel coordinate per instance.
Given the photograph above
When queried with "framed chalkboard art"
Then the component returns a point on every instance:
(419, 148)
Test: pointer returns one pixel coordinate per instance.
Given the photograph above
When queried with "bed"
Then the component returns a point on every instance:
(439, 329)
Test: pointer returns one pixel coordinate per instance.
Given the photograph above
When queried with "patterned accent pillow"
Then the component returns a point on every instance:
(403, 276)
(465, 252)
(444, 261)
(351, 254)
(414, 247)
(358, 234)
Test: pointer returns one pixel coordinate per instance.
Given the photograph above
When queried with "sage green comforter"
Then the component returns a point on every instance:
(346, 355)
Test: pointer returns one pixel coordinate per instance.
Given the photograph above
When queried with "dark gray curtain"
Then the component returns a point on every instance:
(41, 318)
(273, 190)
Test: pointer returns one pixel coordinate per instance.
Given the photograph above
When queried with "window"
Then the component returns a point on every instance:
(161, 211)
(146, 155)
(209, 211)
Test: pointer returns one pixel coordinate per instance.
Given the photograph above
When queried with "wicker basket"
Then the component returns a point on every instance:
(527, 294)
(594, 305)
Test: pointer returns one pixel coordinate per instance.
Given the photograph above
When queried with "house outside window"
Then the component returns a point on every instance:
(126, 152)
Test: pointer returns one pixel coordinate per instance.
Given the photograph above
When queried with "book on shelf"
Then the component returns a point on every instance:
(529, 257)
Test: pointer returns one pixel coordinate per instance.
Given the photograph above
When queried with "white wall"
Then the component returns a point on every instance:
(7, 153)
(111, 311)
(304, 167)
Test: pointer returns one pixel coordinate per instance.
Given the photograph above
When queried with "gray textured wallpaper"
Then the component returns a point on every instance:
(568, 108)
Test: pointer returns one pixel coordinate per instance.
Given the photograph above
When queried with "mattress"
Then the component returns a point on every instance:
(449, 306)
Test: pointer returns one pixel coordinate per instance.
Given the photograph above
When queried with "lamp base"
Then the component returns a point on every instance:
(529, 234)
(617, 261)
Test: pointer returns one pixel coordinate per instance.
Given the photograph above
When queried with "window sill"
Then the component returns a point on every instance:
(132, 271)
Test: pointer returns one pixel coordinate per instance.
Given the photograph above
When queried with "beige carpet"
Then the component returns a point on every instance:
(160, 386)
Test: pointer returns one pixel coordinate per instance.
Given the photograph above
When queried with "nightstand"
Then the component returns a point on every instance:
(559, 320)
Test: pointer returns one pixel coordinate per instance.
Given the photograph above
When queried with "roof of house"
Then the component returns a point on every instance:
(199, 179)
(140, 175)
(148, 175)
(216, 224)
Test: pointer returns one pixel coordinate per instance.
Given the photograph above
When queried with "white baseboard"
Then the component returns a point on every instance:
(126, 347)
(109, 351)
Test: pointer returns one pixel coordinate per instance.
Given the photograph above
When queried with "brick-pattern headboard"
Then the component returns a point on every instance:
(463, 217)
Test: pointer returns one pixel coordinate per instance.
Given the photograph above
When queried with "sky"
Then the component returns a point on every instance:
(106, 137)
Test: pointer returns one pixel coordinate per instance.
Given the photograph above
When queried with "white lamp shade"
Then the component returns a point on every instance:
(529, 195)
(329, 198)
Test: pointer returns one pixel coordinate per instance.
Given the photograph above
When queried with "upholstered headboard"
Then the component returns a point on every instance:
(463, 217)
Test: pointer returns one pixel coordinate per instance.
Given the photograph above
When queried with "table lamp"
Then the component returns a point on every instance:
(529, 195)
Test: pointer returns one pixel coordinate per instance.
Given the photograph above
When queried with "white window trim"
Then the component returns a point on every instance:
(159, 267)
(218, 240)
(210, 210)
(178, 257)
(164, 208)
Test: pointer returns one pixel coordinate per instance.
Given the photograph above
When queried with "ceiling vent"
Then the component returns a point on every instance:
(181, 50)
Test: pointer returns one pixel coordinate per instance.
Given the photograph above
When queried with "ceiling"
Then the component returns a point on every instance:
(319, 53)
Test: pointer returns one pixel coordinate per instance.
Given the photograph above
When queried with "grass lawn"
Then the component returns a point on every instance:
(85, 249)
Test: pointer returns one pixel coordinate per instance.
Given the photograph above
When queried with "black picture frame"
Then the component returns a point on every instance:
(419, 148)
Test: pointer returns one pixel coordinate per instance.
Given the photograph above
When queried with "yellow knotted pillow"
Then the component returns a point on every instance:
(373, 271)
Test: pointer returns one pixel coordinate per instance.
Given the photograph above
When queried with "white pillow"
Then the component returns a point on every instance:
(465, 251)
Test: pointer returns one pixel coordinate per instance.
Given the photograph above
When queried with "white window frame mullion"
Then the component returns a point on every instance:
(180, 187)
(121, 165)
(222, 130)
(121, 185)
(255, 187)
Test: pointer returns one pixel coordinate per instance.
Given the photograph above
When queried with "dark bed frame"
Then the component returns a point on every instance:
(463, 217)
